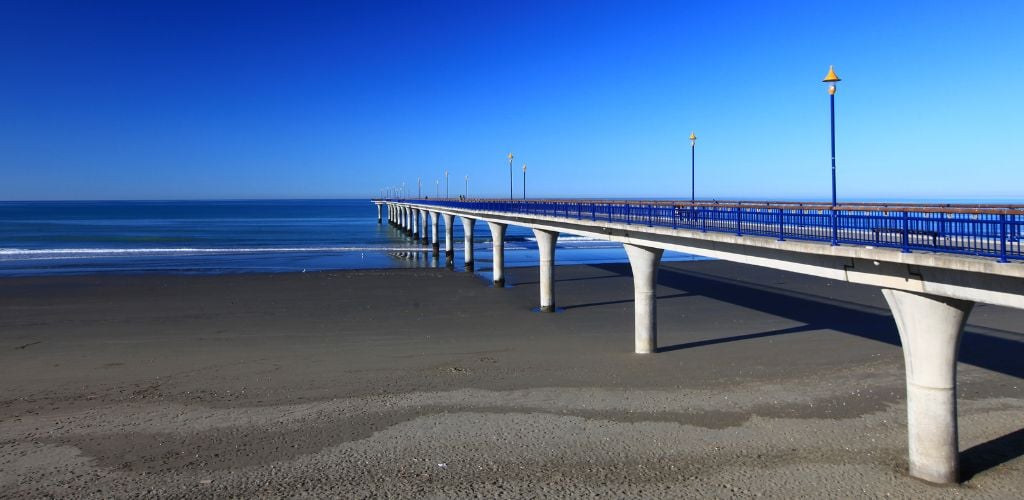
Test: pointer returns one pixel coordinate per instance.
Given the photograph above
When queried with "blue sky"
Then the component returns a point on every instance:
(192, 99)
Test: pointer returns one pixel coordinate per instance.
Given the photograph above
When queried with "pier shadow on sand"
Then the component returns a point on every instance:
(982, 457)
(983, 347)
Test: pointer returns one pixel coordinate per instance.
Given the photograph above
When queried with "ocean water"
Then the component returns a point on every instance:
(218, 237)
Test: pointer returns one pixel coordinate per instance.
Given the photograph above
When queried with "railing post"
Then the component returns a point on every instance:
(835, 227)
(704, 219)
(675, 224)
(1002, 238)
(739, 220)
(906, 232)
(782, 230)
(593, 211)
(650, 215)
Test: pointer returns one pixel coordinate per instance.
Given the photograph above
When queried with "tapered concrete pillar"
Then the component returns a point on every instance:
(424, 229)
(644, 261)
(467, 238)
(930, 329)
(435, 246)
(546, 248)
(498, 252)
(415, 224)
(379, 214)
(449, 240)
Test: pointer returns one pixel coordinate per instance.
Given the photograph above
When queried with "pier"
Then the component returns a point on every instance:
(932, 263)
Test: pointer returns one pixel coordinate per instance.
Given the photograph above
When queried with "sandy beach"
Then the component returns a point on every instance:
(430, 383)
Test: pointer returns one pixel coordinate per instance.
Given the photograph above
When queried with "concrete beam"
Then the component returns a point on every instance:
(467, 231)
(546, 248)
(930, 329)
(498, 252)
(644, 261)
(976, 279)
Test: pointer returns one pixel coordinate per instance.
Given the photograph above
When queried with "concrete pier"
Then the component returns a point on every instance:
(546, 248)
(449, 239)
(644, 261)
(930, 329)
(498, 252)
(435, 246)
(379, 213)
(467, 230)
(415, 224)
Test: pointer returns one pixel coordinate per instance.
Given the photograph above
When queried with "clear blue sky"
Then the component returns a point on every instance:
(195, 99)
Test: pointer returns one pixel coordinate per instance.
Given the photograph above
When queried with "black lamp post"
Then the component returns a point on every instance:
(524, 181)
(510, 176)
(693, 175)
(831, 79)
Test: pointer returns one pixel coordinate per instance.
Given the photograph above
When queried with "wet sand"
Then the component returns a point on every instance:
(430, 383)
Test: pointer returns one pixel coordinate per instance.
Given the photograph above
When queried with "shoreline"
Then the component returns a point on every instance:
(361, 382)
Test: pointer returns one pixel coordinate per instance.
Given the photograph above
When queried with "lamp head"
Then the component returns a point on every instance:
(831, 78)
(693, 139)
(524, 168)
(510, 157)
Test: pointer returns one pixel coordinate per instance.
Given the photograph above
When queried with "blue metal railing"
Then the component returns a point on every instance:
(981, 231)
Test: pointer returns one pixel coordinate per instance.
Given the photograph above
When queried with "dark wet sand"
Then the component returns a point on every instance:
(421, 383)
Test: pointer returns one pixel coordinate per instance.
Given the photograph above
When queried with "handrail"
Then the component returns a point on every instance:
(989, 231)
(975, 208)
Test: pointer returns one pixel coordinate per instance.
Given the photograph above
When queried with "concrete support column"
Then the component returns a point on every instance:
(467, 230)
(379, 214)
(546, 247)
(435, 246)
(498, 252)
(424, 231)
(644, 261)
(930, 329)
(403, 217)
(449, 239)
(415, 223)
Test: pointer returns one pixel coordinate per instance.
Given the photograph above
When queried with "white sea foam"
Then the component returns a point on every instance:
(72, 253)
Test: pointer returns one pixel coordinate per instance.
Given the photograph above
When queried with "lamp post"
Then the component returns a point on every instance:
(510, 175)
(446, 183)
(830, 80)
(467, 187)
(693, 175)
(437, 188)
(524, 181)
(419, 187)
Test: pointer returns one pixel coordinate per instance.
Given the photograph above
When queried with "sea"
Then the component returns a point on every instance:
(244, 236)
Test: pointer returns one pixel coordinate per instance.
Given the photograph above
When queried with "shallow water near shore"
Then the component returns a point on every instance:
(241, 236)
